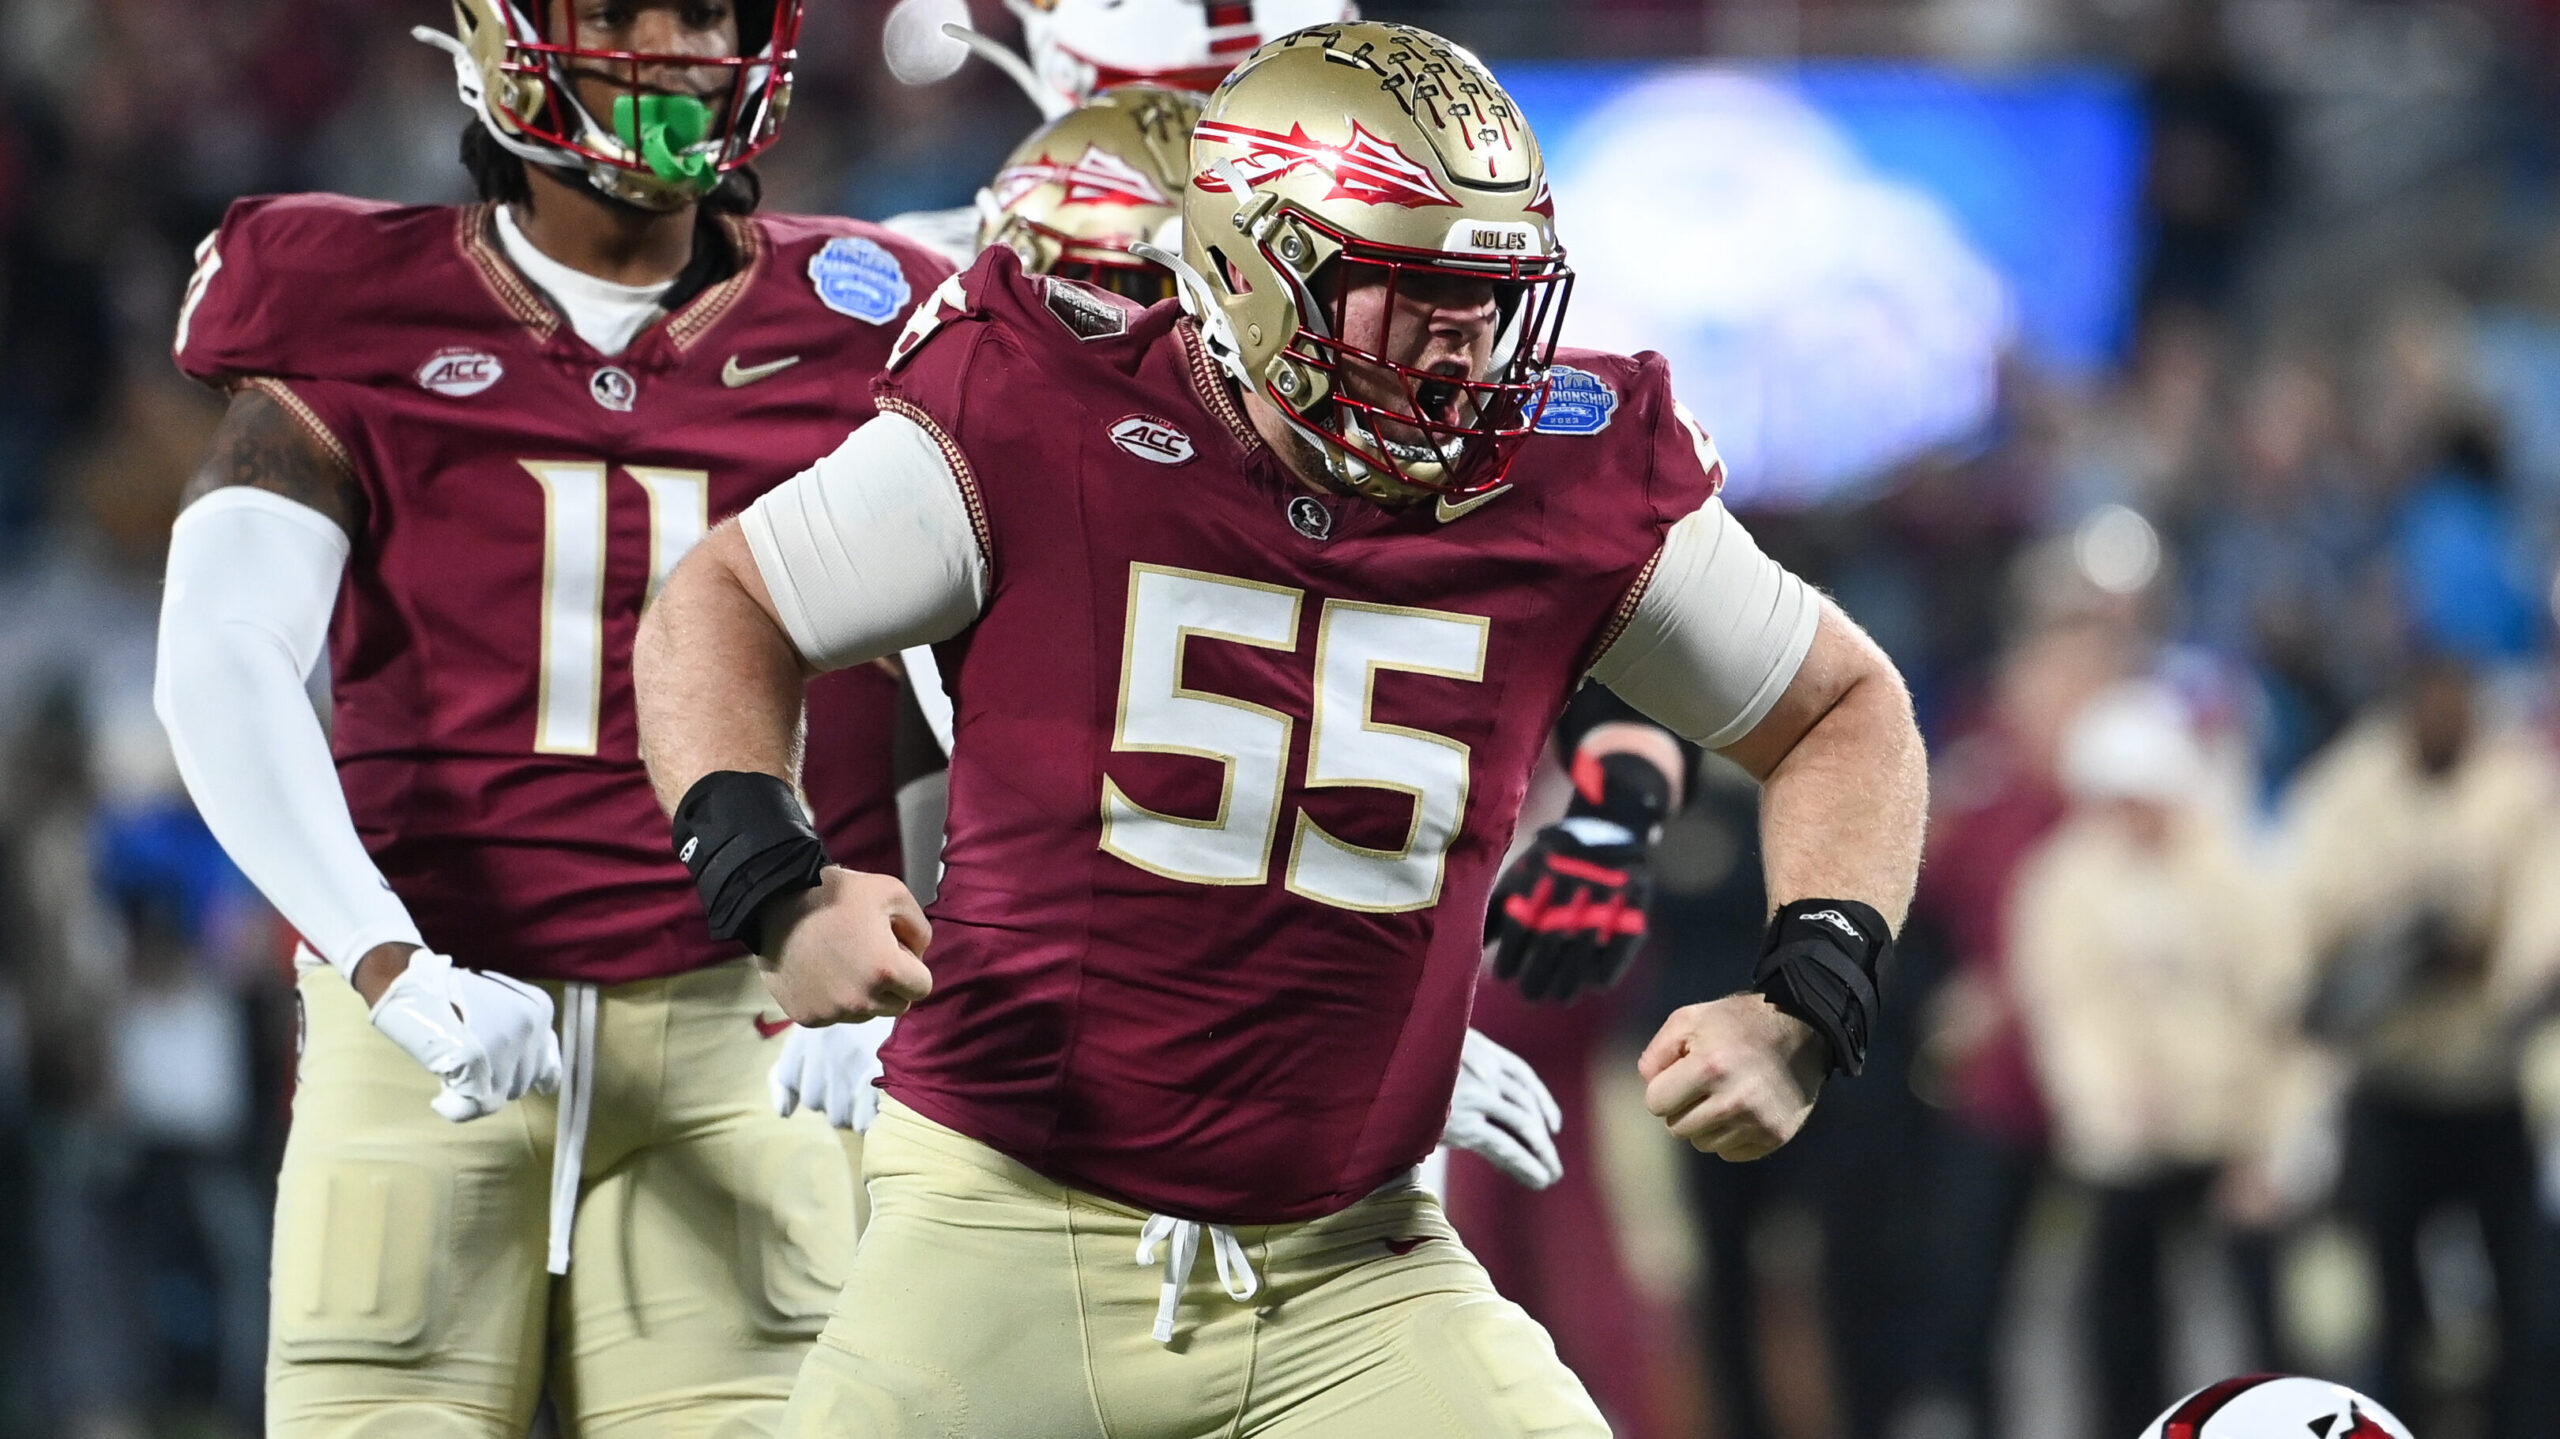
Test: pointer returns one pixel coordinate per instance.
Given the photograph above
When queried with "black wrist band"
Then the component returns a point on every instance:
(1627, 790)
(1819, 962)
(748, 842)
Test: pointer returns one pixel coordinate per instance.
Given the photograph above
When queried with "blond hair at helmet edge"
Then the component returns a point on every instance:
(1378, 144)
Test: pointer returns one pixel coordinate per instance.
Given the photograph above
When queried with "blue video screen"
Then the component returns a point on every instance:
(1839, 259)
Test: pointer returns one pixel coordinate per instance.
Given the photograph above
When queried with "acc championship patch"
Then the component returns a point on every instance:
(1085, 313)
(1578, 403)
(856, 277)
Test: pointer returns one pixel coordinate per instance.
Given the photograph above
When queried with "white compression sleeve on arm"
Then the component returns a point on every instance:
(870, 550)
(252, 579)
(1716, 637)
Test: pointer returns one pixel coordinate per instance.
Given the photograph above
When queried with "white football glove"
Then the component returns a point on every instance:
(486, 1036)
(1501, 1110)
(830, 1071)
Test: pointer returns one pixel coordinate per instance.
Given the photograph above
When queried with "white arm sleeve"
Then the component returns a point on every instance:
(870, 550)
(1717, 635)
(252, 579)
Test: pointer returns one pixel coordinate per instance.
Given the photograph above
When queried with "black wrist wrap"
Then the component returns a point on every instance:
(1819, 962)
(1623, 789)
(747, 841)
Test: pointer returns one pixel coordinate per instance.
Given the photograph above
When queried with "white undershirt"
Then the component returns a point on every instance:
(871, 550)
(606, 315)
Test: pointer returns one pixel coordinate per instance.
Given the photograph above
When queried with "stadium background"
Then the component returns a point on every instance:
(2061, 339)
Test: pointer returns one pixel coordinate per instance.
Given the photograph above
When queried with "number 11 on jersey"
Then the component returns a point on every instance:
(1158, 713)
(570, 694)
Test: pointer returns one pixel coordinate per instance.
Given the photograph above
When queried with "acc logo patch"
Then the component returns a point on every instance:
(458, 371)
(1578, 403)
(1087, 315)
(856, 277)
(1152, 439)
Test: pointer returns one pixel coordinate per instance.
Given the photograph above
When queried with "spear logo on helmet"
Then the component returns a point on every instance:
(1365, 168)
(1098, 177)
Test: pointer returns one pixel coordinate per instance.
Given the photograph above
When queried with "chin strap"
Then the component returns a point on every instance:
(1201, 303)
(466, 81)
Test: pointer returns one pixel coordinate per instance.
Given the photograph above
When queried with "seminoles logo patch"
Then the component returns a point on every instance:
(458, 371)
(1578, 403)
(1365, 168)
(1152, 439)
(613, 388)
(1098, 177)
(1309, 517)
(856, 277)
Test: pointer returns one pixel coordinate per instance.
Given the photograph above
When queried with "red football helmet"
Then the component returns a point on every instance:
(657, 150)
(1082, 47)
(2276, 1406)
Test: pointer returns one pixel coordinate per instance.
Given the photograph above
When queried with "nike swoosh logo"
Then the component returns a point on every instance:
(1402, 1247)
(771, 1027)
(1448, 511)
(734, 374)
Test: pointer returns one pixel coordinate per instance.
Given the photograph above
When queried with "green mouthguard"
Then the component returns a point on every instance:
(665, 129)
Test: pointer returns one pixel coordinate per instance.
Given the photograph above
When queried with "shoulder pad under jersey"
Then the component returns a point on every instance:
(289, 283)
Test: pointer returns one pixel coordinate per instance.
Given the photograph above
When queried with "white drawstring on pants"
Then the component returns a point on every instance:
(577, 1102)
(1235, 1272)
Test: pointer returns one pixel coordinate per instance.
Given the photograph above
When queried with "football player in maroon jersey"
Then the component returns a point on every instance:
(464, 445)
(1569, 912)
(1255, 612)
(1072, 199)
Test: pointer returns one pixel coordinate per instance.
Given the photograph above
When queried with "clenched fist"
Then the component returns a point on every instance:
(849, 950)
(1734, 1077)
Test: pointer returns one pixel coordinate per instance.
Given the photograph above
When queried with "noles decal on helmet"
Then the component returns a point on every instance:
(1364, 168)
(2276, 1406)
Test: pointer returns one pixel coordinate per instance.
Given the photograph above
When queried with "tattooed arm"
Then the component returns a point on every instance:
(261, 445)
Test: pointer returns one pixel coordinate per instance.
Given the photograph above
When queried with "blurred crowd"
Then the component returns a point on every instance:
(2223, 1035)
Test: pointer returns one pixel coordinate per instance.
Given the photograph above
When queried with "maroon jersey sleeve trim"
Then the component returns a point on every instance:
(282, 393)
(1626, 611)
(690, 322)
(504, 283)
(1212, 387)
(960, 473)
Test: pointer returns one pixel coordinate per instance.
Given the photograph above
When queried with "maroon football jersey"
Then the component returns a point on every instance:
(1236, 762)
(524, 495)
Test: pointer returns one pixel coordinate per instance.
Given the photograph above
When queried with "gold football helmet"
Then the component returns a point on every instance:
(658, 151)
(1366, 155)
(1073, 198)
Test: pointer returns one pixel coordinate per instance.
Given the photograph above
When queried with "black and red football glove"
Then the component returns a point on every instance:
(1569, 914)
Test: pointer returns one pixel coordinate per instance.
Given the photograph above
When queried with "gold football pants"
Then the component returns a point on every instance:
(411, 1298)
(989, 1303)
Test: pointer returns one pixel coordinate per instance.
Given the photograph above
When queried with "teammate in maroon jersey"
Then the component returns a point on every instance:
(1255, 613)
(464, 446)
